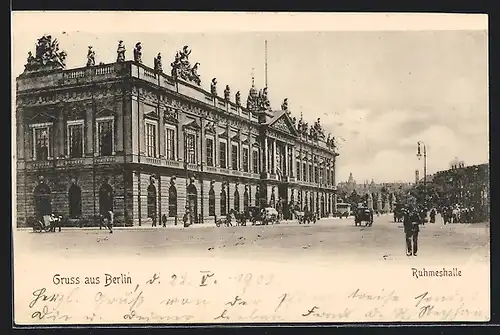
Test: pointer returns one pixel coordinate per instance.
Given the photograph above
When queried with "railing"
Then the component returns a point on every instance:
(172, 163)
(74, 74)
(103, 70)
(105, 160)
(152, 160)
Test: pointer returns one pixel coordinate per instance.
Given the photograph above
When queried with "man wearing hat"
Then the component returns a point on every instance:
(411, 222)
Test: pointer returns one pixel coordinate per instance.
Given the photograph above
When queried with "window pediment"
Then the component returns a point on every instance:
(152, 115)
(192, 124)
(42, 117)
(105, 112)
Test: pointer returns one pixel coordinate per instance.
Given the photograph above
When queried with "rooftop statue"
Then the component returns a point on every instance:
(90, 57)
(194, 76)
(263, 100)
(227, 93)
(157, 63)
(181, 67)
(237, 98)
(120, 52)
(213, 87)
(138, 52)
(284, 105)
(47, 55)
(318, 130)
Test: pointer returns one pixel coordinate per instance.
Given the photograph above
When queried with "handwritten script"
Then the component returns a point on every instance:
(212, 296)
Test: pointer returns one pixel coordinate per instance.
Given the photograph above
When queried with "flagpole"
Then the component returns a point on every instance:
(265, 62)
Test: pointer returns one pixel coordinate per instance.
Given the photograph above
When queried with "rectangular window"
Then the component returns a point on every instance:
(42, 143)
(75, 139)
(234, 157)
(298, 170)
(316, 174)
(222, 154)
(304, 171)
(105, 137)
(210, 151)
(311, 174)
(191, 148)
(170, 141)
(255, 161)
(245, 159)
(150, 139)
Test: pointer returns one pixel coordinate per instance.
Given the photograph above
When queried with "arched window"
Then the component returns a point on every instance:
(75, 201)
(257, 197)
(172, 201)
(237, 201)
(105, 199)
(211, 202)
(245, 201)
(43, 202)
(223, 202)
(151, 201)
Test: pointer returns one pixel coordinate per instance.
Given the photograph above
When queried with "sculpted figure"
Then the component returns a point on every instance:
(157, 63)
(227, 93)
(184, 55)
(47, 55)
(195, 77)
(237, 98)
(138, 52)
(90, 57)
(284, 105)
(213, 87)
(120, 52)
(176, 64)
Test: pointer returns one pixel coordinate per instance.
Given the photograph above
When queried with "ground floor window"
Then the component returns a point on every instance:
(75, 201)
(172, 201)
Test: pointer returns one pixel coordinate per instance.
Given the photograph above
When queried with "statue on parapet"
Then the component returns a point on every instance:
(157, 63)
(184, 56)
(227, 93)
(318, 129)
(284, 105)
(213, 87)
(194, 76)
(237, 98)
(90, 57)
(120, 52)
(138, 52)
(176, 65)
(47, 55)
(264, 103)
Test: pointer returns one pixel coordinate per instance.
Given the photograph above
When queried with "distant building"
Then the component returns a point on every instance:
(467, 186)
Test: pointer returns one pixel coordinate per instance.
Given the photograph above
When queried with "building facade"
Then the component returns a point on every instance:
(148, 145)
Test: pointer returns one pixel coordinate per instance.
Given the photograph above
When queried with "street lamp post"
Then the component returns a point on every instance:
(420, 146)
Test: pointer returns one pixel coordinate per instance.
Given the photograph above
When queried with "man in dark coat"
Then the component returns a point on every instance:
(411, 222)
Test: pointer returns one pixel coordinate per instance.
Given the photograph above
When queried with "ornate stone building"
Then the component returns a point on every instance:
(148, 145)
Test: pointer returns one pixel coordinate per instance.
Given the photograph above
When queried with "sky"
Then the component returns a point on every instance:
(378, 92)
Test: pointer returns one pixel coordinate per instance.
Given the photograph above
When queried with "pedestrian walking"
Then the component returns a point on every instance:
(108, 220)
(411, 222)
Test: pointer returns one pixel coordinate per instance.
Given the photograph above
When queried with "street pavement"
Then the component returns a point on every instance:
(327, 240)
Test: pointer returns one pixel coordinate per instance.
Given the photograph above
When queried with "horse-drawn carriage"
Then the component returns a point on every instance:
(363, 214)
(48, 223)
(306, 217)
(264, 216)
(240, 219)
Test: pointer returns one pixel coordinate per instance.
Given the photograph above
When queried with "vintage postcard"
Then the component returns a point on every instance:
(182, 168)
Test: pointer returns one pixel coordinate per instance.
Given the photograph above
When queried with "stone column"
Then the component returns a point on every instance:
(217, 146)
(264, 155)
(274, 157)
(119, 127)
(161, 131)
(21, 144)
(240, 152)
(287, 163)
(203, 147)
(59, 133)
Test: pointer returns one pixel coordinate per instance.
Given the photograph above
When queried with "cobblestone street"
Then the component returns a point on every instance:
(326, 240)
